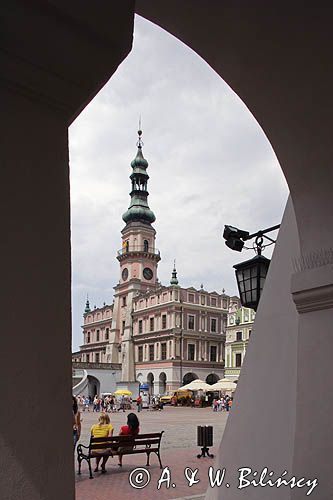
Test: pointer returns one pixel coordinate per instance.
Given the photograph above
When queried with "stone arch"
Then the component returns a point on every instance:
(150, 382)
(93, 386)
(189, 377)
(162, 383)
(287, 110)
(212, 378)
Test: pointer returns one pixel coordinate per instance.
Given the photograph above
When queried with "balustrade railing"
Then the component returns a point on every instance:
(138, 248)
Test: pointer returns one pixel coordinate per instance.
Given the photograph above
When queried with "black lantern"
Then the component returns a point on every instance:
(251, 276)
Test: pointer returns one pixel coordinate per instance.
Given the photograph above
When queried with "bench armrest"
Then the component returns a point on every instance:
(82, 446)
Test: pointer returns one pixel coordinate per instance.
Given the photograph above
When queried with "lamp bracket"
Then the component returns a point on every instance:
(235, 237)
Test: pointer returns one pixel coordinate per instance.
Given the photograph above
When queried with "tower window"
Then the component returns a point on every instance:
(213, 325)
(88, 337)
(145, 246)
(163, 351)
(97, 357)
(203, 300)
(123, 328)
(238, 360)
(124, 300)
(140, 325)
(191, 297)
(213, 302)
(97, 336)
(190, 352)
(190, 322)
(238, 336)
(107, 334)
(164, 321)
(151, 324)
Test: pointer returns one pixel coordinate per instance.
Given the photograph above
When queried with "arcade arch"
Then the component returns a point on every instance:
(274, 81)
(93, 386)
(212, 378)
(189, 377)
(162, 383)
(150, 382)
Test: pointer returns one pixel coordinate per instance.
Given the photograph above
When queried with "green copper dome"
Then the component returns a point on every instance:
(139, 213)
(87, 309)
(139, 161)
(174, 279)
(139, 210)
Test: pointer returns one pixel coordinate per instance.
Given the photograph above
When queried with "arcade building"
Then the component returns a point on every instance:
(163, 336)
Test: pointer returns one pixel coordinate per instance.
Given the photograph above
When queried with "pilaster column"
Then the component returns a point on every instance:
(312, 291)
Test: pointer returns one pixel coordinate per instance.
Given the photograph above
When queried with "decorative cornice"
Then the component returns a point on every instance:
(99, 366)
(312, 289)
(314, 299)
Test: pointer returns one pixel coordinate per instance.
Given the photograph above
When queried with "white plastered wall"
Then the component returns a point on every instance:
(267, 384)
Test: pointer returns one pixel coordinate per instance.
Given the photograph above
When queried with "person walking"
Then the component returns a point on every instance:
(139, 403)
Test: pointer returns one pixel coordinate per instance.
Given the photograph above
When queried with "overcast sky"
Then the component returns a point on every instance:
(210, 164)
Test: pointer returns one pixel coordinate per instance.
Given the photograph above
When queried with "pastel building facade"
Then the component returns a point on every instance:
(96, 333)
(163, 336)
(238, 333)
(179, 335)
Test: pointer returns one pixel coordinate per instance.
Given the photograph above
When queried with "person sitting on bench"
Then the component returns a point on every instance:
(100, 430)
(131, 429)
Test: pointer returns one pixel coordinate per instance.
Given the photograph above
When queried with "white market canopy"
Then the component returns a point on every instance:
(224, 384)
(196, 385)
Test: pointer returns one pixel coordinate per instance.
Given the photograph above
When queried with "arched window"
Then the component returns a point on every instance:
(145, 246)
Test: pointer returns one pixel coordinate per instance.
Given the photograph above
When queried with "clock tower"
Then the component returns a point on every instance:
(138, 259)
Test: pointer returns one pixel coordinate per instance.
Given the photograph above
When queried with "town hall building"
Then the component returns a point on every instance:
(161, 336)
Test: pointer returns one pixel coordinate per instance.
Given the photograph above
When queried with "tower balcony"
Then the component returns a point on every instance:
(138, 251)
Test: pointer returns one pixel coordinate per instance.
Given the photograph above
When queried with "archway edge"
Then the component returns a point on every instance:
(277, 60)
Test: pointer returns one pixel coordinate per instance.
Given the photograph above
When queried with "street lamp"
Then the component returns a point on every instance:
(251, 274)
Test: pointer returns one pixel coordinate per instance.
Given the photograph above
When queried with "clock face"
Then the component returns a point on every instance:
(147, 273)
(124, 274)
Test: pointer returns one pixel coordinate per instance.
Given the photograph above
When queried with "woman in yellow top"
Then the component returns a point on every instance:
(102, 429)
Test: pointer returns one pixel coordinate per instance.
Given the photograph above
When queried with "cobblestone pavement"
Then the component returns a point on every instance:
(178, 451)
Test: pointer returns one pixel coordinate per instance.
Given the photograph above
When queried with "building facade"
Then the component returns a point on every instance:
(179, 335)
(238, 333)
(163, 336)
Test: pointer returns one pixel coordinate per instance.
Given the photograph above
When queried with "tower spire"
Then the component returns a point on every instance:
(174, 279)
(87, 308)
(139, 210)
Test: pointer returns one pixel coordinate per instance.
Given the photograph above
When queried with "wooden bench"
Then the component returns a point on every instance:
(119, 445)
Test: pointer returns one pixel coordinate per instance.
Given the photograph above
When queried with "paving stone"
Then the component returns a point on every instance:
(178, 451)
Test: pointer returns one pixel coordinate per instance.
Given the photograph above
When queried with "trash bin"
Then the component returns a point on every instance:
(205, 439)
